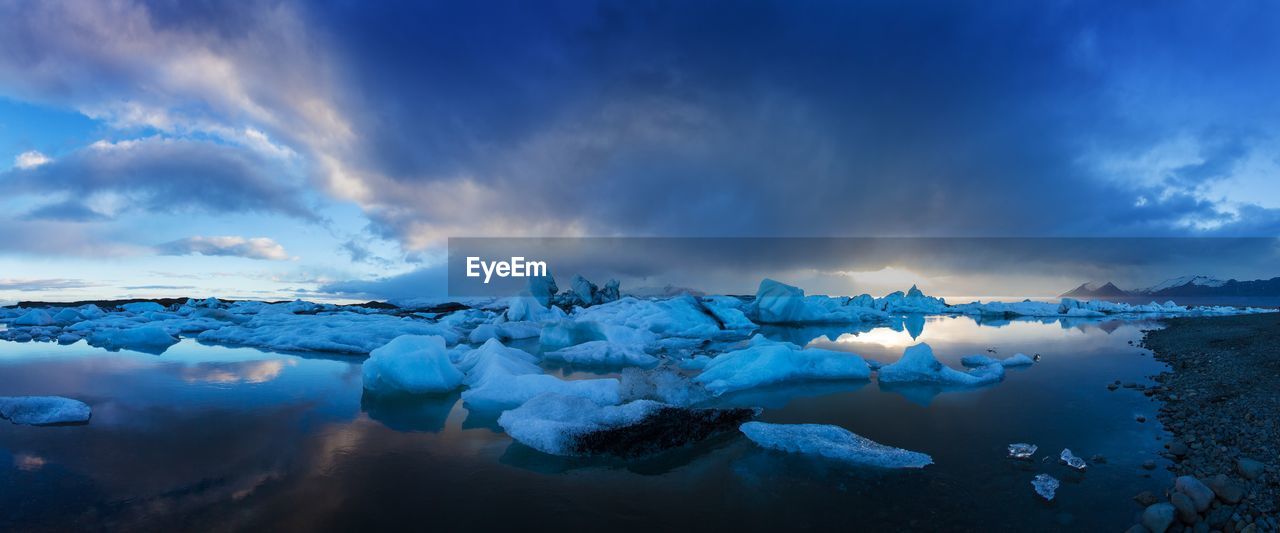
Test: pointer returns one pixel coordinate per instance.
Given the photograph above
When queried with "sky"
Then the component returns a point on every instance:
(328, 150)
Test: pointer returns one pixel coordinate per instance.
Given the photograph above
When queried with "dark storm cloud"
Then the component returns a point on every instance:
(763, 118)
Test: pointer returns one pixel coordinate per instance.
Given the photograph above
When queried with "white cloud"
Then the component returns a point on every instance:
(30, 159)
(254, 248)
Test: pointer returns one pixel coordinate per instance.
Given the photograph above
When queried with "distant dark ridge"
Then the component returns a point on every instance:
(1105, 291)
(167, 302)
(1261, 287)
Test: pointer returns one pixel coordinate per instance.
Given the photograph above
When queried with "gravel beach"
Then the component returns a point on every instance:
(1222, 406)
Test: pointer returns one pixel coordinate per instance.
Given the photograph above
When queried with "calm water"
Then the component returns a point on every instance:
(210, 437)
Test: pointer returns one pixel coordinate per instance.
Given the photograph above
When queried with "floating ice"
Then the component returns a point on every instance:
(681, 316)
(1046, 485)
(729, 311)
(342, 332)
(412, 364)
(552, 423)
(149, 338)
(492, 360)
(138, 308)
(1022, 450)
(1071, 460)
(602, 353)
(832, 442)
(766, 362)
(43, 410)
(34, 317)
(499, 391)
(663, 384)
(918, 365)
(779, 303)
(1018, 359)
(562, 425)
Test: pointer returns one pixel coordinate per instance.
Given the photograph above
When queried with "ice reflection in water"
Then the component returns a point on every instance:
(211, 437)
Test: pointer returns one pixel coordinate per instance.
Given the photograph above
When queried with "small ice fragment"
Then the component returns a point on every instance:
(1045, 485)
(1071, 460)
(832, 442)
(1022, 450)
(43, 410)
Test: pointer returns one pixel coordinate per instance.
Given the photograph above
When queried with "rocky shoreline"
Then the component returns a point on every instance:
(1222, 406)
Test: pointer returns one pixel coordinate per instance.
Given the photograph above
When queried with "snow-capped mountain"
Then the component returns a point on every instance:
(1202, 281)
(1197, 286)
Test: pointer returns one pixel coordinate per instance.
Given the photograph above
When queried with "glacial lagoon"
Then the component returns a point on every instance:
(215, 437)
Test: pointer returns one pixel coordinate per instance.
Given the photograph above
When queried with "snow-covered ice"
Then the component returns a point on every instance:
(43, 410)
(551, 423)
(411, 364)
(602, 353)
(34, 317)
(504, 391)
(918, 365)
(147, 338)
(142, 307)
(1045, 485)
(1018, 359)
(832, 442)
(342, 332)
(767, 362)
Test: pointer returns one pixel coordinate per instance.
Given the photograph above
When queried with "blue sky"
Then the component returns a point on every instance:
(327, 150)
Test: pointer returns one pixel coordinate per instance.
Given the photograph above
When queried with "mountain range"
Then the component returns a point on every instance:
(1183, 286)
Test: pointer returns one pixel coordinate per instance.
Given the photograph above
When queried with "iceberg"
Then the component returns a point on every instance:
(138, 308)
(43, 410)
(779, 303)
(492, 359)
(1045, 485)
(1018, 359)
(918, 365)
(150, 338)
(563, 425)
(663, 385)
(411, 364)
(342, 332)
(767, 362)
(601, 353)
(680, 316)
(832, 442)
(504, 391)
(34, 317)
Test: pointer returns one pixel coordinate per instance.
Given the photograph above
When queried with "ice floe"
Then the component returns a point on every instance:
(343, 332)
(149, 338)
(1018, 359)
(1069, 459)
(411, 364)
(1022, 450)
(565, 425)
(832, 442)
(766, 362)
(602, 353)
(43, 410)
(918, 365)
(1045, 485)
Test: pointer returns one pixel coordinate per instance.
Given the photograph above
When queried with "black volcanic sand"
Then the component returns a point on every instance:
(1222, 405)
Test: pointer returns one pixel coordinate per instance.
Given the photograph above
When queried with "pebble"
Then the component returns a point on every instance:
(1158, 517)
(1249, 468)
(1199, 493)
(1186, 508)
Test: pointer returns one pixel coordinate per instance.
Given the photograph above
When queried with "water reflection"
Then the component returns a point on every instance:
(208, 437)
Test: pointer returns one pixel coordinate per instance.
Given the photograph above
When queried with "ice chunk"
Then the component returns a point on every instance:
(150, 338)
(499, 391)
(493, 359)
(1046, 485)
(1018, 359)
(681, 316)
(777, 302)
(766, 362)
(918, 365)
(728, 310)
(697, 362)
(565, 333)
(1022, 450)
(563, 425)
(43, 410)
(342, 332)
(662, 384)
(91, 311)
(832, 442)
(34, 317)
(1071, 460)
(67, 316)
(138, 308)
(411, 364)
(602, 353)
